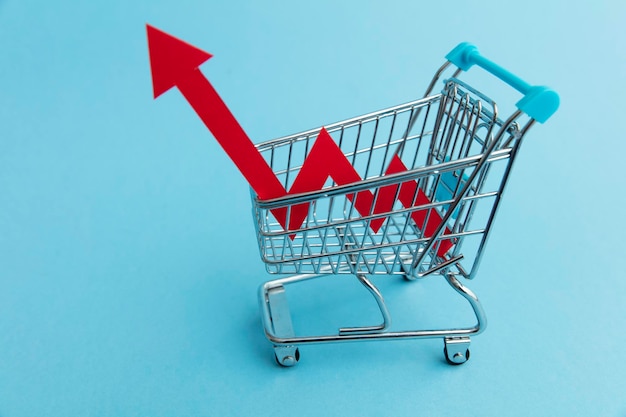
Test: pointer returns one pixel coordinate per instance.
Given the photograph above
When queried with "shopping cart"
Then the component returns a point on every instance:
(431, 174)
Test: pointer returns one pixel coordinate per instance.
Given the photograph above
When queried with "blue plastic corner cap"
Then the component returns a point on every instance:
(539, 103)
(461, 55)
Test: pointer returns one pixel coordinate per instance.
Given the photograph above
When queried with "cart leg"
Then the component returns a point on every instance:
(381, 305)
(285, 355)
(456, 350)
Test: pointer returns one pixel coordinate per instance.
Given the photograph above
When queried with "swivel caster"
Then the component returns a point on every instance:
(456, 350)
(286, 355)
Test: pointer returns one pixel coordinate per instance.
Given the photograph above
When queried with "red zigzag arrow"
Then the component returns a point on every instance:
(174, 63)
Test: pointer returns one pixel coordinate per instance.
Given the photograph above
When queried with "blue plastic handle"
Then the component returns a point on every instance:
(539, 102)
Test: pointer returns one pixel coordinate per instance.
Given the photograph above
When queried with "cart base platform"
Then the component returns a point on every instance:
(279, 329)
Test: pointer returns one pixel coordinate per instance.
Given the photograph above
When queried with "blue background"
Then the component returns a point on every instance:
(128, 263)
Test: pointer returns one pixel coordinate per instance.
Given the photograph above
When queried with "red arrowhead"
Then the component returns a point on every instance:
(171, 60)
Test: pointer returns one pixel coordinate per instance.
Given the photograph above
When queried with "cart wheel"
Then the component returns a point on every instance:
(456, 351)
(405, 274)
(457, 358)
(286, 356)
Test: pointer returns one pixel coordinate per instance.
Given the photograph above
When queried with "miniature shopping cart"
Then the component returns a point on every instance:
(430, 175)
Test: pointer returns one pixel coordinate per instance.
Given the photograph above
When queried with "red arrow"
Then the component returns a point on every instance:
(175, 63)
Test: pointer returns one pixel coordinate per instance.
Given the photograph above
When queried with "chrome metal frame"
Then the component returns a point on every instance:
(458, 155)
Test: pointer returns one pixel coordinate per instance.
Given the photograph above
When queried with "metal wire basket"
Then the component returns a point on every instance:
(411, 190)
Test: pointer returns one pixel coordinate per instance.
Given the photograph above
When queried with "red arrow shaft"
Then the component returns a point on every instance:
(230, 135)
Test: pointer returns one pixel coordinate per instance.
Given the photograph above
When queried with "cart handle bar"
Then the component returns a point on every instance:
(539, 102)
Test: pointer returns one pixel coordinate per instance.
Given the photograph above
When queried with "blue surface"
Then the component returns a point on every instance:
(128, 265)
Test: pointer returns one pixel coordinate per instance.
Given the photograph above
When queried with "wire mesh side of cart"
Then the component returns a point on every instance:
(440, 141)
